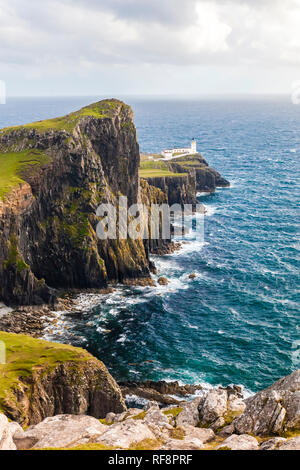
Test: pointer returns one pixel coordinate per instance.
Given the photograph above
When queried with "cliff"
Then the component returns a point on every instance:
(42, 379)
(54, 175)
(180, 179)
(219, 419)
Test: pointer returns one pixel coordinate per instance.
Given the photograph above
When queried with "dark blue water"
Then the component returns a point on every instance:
(238, 321)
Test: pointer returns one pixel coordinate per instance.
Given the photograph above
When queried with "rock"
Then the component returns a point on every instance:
(190, 414)
(127, 415)
(158, 391)
(184, 444)
(272, 444)
(273, 410)
(125, 434)
(156, 417)
(236, 405)
(158, 422)
(226, 431)
(192, 276)
(243, 442)
(110, 417)
(65, 431)
(213, 406)
(291, 444)
(219, 423)
(6, 434)
(163, 281)
(202, 434)
(151, 404)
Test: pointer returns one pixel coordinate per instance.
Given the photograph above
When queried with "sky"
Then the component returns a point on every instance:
(149, 47)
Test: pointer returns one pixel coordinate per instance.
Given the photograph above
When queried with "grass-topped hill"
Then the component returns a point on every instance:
(100, 110)
(13, 164)
(157, 169)
(26, 355)
(31, 378)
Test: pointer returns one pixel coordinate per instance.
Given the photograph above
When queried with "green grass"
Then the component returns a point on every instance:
(13, 164)
(81, 447)
(102, 109)
(25, 356)
(173, 412)
(157, 169)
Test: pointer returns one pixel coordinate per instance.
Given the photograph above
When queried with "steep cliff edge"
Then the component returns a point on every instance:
(181, 178)
(54, 175)
(42, 379)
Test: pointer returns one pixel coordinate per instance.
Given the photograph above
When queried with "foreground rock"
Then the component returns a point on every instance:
(59, 379)
(7, 432)
(274, 410)
(243, 442)
(126, 434)
(61, 431)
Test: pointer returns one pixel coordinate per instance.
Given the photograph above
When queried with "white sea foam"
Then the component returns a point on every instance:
(210, 210)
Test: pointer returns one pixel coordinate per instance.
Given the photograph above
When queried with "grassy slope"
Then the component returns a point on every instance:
(102, 109)
(12, 164)
(156, 169)
(26, 355)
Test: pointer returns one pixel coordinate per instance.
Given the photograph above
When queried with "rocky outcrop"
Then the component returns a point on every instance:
(7, 433)
(66, 168)
(189, 426)
(179, 189)
(188, 175)
(234, 442)
(42, 379)
(274, 410)
(60, 431)
(160, 391)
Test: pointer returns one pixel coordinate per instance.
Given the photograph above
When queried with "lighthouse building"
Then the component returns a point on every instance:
(180, 152)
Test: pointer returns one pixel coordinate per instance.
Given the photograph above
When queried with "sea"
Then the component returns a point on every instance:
(237, 322)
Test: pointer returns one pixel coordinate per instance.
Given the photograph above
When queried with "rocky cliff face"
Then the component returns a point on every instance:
(64, 168)
(218, 419)
(190, 174)
(42, 379)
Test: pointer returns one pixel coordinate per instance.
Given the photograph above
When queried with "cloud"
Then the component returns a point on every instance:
(84, 36)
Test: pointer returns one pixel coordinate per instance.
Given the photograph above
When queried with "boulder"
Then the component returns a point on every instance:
(213, 406)
(7, 432)
(125, 434)
(273, 410)
(126, 415)
(62, 431)
(184, 444)
(190, 414)
(202, 434)
(163, 281)
(110, 418)
(236, 405)
(272, 444)
(291, 444)
(243, 442)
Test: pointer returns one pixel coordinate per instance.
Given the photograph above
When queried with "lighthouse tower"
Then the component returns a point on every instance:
(194, 146)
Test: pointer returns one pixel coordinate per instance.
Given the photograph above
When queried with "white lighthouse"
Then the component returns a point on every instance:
(194, 146)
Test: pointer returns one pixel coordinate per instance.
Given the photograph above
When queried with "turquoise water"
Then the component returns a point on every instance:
(238, 321)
